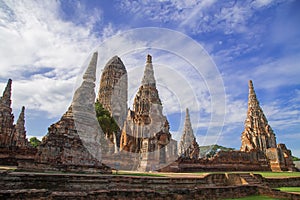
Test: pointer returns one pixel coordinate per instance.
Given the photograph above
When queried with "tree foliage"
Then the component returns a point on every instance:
(107, 123)
(295, 158)
(34, 142)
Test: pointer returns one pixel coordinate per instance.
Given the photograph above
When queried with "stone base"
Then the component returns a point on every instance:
(24, 185)
(12, 155)
(223, 161)
(44, 167)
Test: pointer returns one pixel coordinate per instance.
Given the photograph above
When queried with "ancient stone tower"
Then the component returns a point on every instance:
(257, 134)
(73, 143)
(113, 89)
(10, 134)
(146, 129)
(188, 146)
(19, 134)
(6, 116)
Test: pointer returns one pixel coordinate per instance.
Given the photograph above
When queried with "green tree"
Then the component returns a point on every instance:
(295, 158)
(34, 142)
(107, 123)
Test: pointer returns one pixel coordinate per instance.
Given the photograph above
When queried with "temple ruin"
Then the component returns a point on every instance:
(65, 148)
(13, 142)
(258, 152)
(146, 129)
(143, 142)
(258, 135)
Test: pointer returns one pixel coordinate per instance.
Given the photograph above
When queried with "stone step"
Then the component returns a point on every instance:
(250, 179)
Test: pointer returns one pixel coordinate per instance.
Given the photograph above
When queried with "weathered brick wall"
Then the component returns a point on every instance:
(138, 194)
(283, 182)
(19, 185)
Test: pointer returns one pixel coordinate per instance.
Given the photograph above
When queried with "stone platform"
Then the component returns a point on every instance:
(24, 185)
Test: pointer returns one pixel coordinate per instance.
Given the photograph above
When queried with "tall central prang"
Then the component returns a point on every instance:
(146, 129)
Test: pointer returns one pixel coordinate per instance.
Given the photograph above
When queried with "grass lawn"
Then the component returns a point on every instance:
(126, 173)
(289, 189)
(278, 174)
(264, 174)
(256, 197)
(8, 168)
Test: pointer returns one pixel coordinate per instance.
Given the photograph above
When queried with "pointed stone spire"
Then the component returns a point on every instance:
(252, 100)
(84, 114)
(148, 78)
(90, 73)
(21, 120)
(257, 133)
(187, 124)
(20, 132)
(147, 94)
(188, 146)
(6, 97)
(6, 116)
(75, 139)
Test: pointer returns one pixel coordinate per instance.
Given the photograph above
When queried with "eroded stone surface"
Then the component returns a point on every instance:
(14, 145)
(11, 134)
(146, 129)
(6, 116)
(19, 134)
(113, 89)
(188, 146)
(113, 97)
(73, 143)
(259, 136)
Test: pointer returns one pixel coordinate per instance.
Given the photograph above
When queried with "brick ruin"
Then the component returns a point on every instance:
(144, 142)
(113, 97)
(13, 142)
(259, 151)
(113, 89)
(65, 146)
(258, 135)
(28, 185)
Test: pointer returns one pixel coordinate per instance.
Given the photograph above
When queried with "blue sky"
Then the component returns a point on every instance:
(44, 45)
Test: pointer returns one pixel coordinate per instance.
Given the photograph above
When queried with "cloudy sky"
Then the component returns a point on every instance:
(204, 53)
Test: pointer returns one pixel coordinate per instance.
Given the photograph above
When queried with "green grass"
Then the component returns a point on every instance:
(278, 174)
(289, 189)
(264, 174)
(11, 168)
(256, 197)
(136, 174)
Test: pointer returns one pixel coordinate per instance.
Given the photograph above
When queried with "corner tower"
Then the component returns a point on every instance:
(257, 134)
(146, 129)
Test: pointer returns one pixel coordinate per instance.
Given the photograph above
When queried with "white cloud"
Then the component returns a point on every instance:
(36, 36)
(43, 53)
(275, 74)
(43, 94)
(199, 16)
